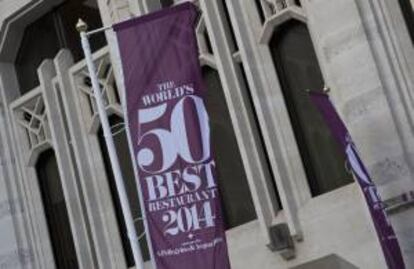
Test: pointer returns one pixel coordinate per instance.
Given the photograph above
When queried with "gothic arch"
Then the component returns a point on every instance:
(298, 70)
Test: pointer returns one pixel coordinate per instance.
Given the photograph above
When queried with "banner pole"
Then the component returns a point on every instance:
(126, 209)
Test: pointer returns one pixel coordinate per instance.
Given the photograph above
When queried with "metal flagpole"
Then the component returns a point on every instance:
(126, 209)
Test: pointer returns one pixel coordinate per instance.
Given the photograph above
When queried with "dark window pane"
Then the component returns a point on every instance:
(39, 42)
(235, 192)
(56, 30)
(121, 144)
(69, 13)
(56, 211)
(260, 10)
(167, 3)
(408, 13)
(229, 27)
(298, 70)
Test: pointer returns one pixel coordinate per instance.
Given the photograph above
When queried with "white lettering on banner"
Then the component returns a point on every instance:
(369, 187)
(167, 91)
(196, 245)
(183, 200)
(183, 196)
(187, 219)
(353, 160)
(177, 182)
(178, 135)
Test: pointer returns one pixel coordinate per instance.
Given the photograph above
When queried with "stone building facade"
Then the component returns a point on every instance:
(280, 173)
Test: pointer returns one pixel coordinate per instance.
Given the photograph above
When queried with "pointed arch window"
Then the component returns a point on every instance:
(56, 211)
(298, 70)
(55, 30)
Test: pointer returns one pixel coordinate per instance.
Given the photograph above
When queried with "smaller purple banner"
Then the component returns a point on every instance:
(385, 232)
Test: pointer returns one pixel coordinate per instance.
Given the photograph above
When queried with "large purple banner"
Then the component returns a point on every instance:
(385, 232)
(170, 133)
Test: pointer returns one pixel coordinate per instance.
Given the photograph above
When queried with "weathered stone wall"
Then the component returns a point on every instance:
(366, 59)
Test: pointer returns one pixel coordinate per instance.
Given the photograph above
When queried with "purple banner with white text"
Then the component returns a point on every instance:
(385, 232)
(170, 133)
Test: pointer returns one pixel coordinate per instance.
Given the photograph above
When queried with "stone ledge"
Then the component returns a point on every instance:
(400, 203)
